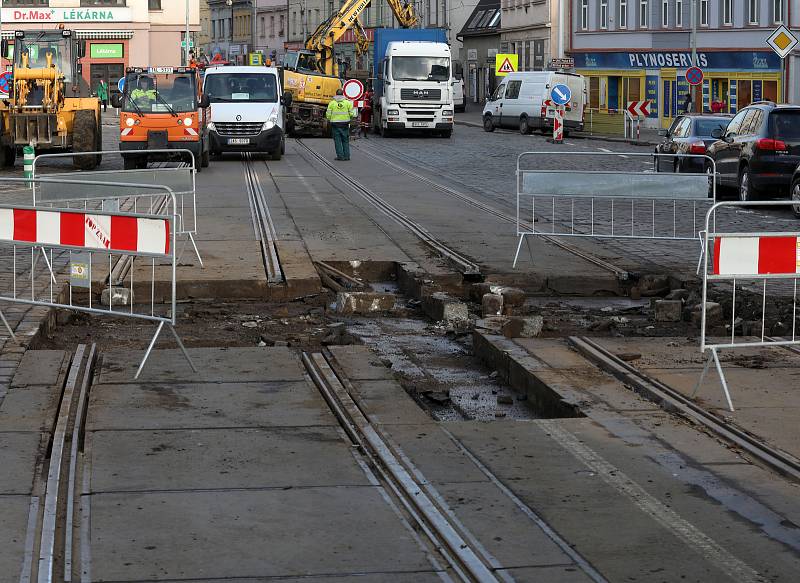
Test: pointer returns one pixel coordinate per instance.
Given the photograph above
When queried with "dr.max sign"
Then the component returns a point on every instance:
(45, 15)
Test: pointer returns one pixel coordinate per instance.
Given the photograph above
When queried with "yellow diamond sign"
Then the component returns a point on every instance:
(782, 41)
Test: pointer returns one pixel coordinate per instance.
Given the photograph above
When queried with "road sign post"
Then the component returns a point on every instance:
(782, 41)
(694, 75)
(560, 96)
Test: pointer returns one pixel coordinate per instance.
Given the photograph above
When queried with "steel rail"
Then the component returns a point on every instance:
(621, 273)
(672, 400)
(466, 266)
(465, 561)
(262, 221)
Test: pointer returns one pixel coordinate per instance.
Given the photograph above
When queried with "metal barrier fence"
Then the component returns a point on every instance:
(765, 264)
(613, 204)
(78, 248)
(133, 195)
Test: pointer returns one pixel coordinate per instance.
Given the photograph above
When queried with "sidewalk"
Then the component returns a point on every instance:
(649, 137)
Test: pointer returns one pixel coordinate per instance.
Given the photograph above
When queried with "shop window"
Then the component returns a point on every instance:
(703, 12)
(584, 14)
(727, 12)
(154, 4)
(770, 91)
(631, 90)
(622, 20)
(744, 94)
(678, 13)
(594, 92)
(777, 11)
(644, 13)
(752, 11)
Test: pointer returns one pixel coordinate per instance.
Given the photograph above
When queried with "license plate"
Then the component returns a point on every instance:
(419, 124)
(238, 141)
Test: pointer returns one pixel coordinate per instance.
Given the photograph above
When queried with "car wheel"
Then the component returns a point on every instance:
(524, 128)
(488, 124)
(795, 194)
(746, 191)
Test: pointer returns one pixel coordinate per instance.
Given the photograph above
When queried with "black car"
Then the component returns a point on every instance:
(688, 134)
(759, 150)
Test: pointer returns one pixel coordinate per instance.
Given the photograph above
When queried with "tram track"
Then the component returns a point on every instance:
(263, 226)
(468, 268)
(621, 273)
(672, 400)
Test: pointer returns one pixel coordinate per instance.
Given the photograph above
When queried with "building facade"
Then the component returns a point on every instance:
(530, 30)
(203, 36)
(271, 29)
(119, 33)
(480, 38)
(739, 68)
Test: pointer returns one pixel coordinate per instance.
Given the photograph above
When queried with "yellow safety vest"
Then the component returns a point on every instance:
(340, 111)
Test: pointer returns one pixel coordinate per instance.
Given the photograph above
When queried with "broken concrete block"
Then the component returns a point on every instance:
(713, 311)
(491, 305)
(678, 294)
(478, 290)
(527, 327)
(653, 285)
(363, 302)
(116, 296)
(441, 306)
(668, 310)
(513, 296)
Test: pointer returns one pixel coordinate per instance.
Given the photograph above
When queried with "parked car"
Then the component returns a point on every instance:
(688, 134)
(759, 150)
(518, 102)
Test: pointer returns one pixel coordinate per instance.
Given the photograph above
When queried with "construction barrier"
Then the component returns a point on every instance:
(134, 194)
(611, 204)
(76, 250)
(761, 264)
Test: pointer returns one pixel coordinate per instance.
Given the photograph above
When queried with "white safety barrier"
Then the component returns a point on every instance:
(612, 204)
(134, 193)
(765, 264)
(79, 249)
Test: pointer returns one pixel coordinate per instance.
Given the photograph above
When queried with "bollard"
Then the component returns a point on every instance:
(558, 126)
(28, 156)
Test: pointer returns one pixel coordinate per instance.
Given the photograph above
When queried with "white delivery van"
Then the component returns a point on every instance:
(246, 112)
(518, 102)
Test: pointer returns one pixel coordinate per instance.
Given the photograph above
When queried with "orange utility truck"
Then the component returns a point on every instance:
(162, 108)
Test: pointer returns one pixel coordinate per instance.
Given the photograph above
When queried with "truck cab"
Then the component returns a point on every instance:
(162, 108)
(415, 88)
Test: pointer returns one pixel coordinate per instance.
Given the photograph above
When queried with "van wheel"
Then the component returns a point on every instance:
(524, 128)
(488, 124)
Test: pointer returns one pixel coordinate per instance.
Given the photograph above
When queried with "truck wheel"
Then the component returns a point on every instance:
(447, 133)
(8, 154)
(386, 132)
(129, 163)
(84, 139)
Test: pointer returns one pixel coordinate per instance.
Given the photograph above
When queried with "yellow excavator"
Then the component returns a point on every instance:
(312, 75)
(45, 108)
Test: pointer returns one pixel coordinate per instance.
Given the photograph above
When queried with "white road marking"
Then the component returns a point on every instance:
(606, 150)
(663, 514)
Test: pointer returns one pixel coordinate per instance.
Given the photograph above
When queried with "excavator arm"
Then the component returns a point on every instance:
(404, 13)
(362, 40)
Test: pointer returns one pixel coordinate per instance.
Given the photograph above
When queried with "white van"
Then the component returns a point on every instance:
(518, 102)
(246, 112)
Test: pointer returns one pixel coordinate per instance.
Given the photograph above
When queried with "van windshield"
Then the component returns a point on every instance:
(160, 93)
(421, 68)
(226, 87)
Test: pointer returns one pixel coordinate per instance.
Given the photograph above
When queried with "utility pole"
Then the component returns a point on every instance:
(253, 28)
(186, 50)
(560, 28)
(694, 33)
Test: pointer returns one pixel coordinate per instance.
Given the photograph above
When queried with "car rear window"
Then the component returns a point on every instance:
(785, 125)
(704, 127)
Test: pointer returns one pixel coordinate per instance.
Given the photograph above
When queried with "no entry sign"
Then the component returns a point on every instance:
(694, 75)
(353, 89)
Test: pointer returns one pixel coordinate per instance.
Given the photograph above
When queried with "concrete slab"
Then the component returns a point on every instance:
(221, 458)
(359, 363)
(554, 353)
(18, 455)
(386, 402)
(421, 576)
(565, 574)
(303, 185)
(301, 276)
(30, 409)
(224, 223)
(41, 367)
(193, 406)
(13, 529)
(215, 365)
(206, 535)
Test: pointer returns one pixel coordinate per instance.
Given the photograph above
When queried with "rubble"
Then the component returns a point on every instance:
(441, 306)
(653, 285)
(116, 296)
(713, 314)
(527, 327)
(364, 302)
(491, 305)
(668, 310)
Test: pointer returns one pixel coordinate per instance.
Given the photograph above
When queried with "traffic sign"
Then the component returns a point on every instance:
(5, 83)
(121, 84)
(505, 64)
(782, 41)
(560, 94)
(353, 89)
(565, 63)
(637, 108)
(694, 75)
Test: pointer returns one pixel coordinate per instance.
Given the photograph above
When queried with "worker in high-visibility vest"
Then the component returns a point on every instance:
(144, 94)
(340, 112)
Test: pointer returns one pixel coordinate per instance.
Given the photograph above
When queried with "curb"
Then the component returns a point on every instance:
(598, 138)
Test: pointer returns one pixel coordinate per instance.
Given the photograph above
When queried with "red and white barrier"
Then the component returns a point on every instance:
(116, 233)
(749, 256)
(558, 125)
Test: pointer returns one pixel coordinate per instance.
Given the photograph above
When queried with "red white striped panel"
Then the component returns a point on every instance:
(767, 255)
(91, 231)
(190, 131)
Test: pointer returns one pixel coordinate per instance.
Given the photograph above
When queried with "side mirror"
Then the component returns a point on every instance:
(716, 133)
(81, 48)
(286, 99)
(663, 133)
(205, 101)
(116, 100)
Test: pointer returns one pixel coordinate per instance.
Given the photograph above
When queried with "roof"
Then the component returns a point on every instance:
(484, 20)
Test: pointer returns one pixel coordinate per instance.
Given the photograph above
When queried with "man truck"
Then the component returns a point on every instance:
(414, 81)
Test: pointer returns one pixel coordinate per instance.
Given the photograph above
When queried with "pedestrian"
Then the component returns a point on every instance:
(687, 103)
(102, 93)
(366, 113)
(340, 112)
(716, 106)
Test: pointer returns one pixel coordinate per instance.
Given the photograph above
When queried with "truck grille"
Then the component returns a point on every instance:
(239, 128)
(421, 94)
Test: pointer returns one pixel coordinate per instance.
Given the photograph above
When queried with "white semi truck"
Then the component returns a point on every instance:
(414, 85)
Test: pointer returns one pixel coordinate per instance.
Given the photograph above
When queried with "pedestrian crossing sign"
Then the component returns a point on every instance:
(505, 64)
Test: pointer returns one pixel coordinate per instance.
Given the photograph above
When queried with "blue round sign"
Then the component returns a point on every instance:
(121, 85)
(560, 94)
